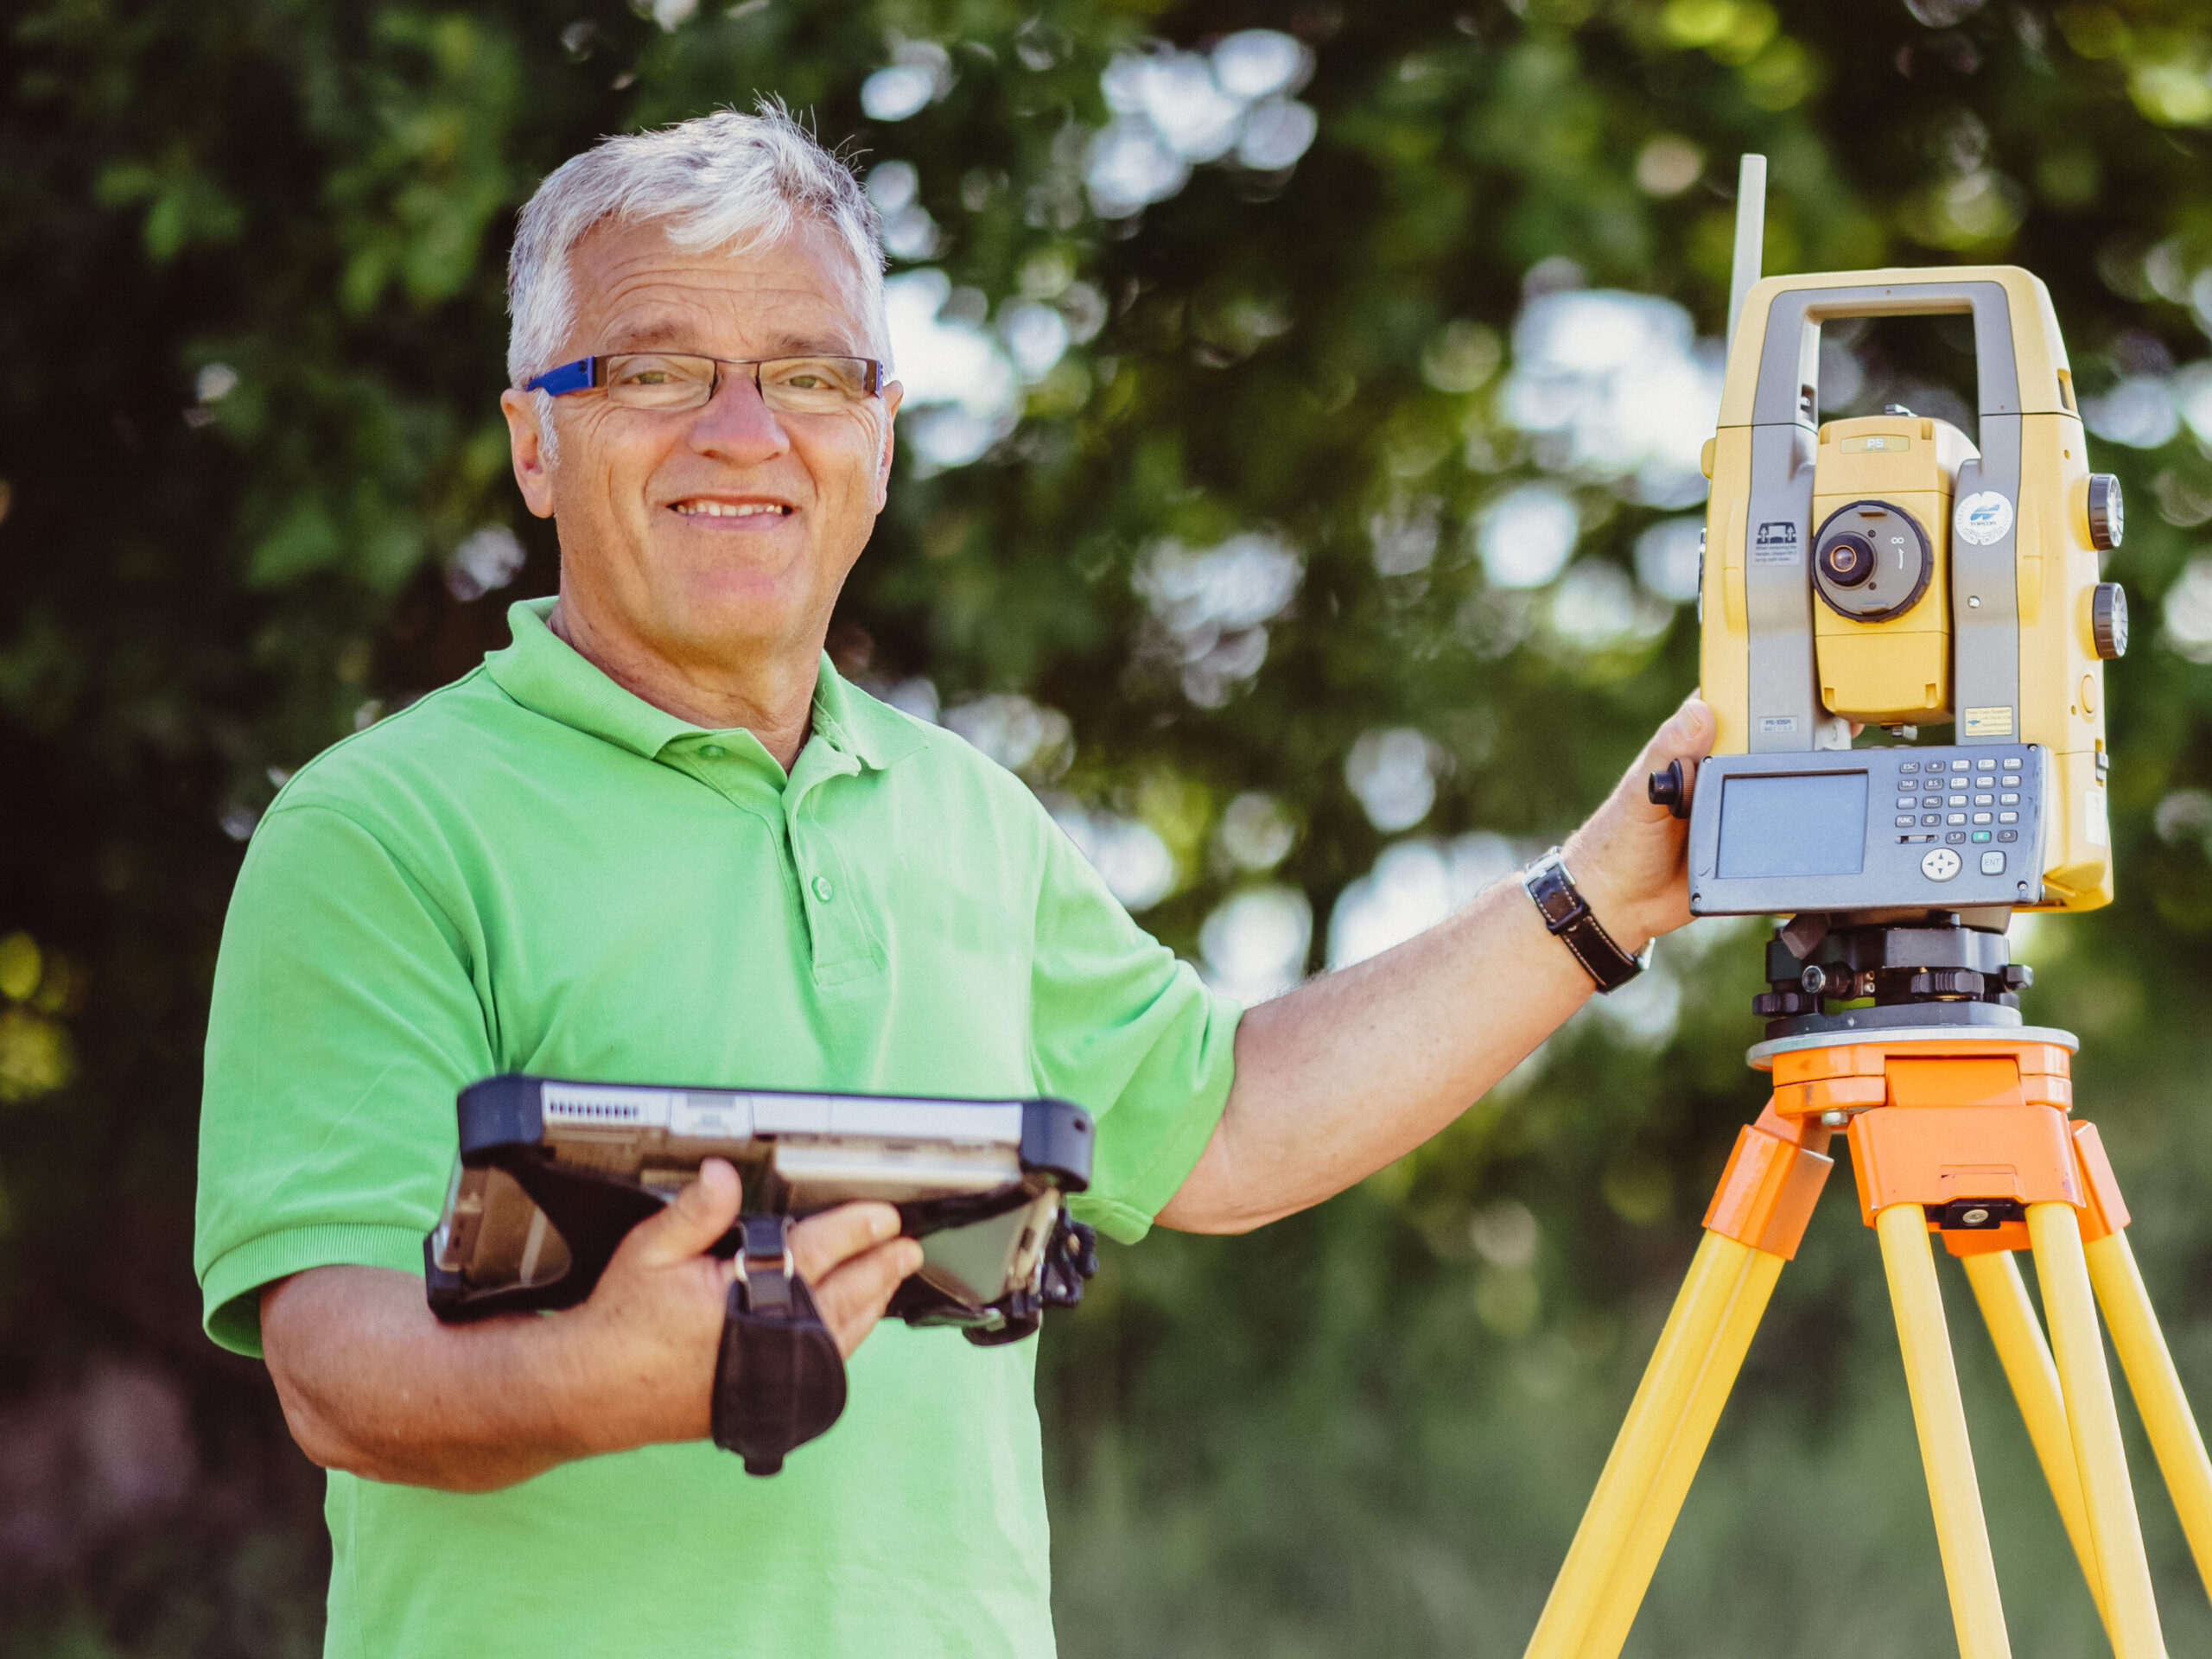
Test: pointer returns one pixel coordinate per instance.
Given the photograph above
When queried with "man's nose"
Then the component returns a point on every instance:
(736, 424)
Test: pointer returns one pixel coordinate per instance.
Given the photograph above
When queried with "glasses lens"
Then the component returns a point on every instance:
(659, 380)
(814, 385)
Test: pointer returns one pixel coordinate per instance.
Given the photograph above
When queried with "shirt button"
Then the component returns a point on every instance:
(822, 890)
(713, 751)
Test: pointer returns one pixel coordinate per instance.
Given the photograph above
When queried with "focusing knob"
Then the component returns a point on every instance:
(2108, 520)
(1872, 561)
(2108, 619)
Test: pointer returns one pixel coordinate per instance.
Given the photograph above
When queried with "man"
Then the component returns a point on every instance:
(658, 838)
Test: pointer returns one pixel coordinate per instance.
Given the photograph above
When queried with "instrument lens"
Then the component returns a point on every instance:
(1848, 560)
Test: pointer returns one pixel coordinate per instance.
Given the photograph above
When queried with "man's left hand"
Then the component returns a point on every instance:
(1628, 857)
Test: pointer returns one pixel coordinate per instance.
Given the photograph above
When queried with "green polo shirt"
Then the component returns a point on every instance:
(533, 870)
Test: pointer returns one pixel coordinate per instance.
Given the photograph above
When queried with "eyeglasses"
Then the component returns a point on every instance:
(678, 380)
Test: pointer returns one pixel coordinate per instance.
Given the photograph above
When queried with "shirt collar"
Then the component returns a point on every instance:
(544, 673)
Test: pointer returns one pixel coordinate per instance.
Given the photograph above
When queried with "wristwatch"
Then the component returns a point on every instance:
(1568, 916)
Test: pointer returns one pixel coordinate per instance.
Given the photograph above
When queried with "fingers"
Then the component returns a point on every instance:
(1687, 736)
(820, 1242)
(853, 1260)
(701, 1213)
(852, 1297)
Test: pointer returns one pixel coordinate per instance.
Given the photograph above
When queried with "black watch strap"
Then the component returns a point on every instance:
(778, 1379)
(1568, 917)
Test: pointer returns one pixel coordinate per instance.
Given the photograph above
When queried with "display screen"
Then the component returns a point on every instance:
(1798, 824)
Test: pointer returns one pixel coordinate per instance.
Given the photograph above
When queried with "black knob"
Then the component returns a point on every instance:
(1671, 789)
(1784, 1005)
(1848, 560)
(2108, 520)
(1948, 982)
(2108, 620)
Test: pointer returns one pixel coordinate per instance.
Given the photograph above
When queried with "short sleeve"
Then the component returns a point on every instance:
(1126, 1030)
(344, 1019)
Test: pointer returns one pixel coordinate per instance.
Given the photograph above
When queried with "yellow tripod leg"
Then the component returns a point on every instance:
(2130, 1613)
(1960, 1535)
(2028, 1367)
(1653, 1416)
(1647, 1542)
(2156, 1387)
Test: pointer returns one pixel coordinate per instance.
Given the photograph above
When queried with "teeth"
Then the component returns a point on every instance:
(726, 510)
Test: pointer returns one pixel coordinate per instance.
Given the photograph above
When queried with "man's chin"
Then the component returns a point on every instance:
(739, 624)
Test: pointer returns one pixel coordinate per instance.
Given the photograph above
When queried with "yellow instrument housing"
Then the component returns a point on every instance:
(2002, 645)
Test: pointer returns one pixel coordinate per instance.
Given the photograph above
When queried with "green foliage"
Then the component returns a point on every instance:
(1369, 1429)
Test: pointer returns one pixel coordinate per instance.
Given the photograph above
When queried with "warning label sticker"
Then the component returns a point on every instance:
(1987, 723)
(1776, 542)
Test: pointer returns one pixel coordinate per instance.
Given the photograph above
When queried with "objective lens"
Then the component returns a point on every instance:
(1848, 560)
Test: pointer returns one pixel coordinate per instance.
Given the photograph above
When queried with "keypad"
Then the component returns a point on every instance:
(1950, 802)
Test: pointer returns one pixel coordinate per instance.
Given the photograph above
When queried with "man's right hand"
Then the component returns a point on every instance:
(652, 1324)
(372, 1383)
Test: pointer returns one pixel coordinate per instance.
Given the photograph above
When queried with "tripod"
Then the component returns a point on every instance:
(1957, 1119)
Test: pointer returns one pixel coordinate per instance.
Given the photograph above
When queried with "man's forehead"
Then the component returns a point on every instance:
(799, 292)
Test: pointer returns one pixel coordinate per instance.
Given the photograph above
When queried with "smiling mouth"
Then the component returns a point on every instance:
(700, 508)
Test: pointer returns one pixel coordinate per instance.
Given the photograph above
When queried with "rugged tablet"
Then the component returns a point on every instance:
(551, 1174)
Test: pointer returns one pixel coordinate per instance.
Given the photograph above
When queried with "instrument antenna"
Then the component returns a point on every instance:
(1750, 237)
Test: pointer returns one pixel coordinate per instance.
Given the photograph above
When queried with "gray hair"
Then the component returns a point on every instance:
(724, 180)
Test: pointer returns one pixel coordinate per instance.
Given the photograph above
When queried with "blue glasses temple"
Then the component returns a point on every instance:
(570, 376)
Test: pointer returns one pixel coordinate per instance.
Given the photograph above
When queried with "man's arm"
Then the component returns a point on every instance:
(374, 1383)
(1354, 1070)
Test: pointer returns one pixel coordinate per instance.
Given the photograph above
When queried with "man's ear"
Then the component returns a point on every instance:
(892, 394)
(526, 448)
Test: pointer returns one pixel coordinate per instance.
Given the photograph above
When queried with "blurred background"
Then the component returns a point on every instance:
(1298, 487)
